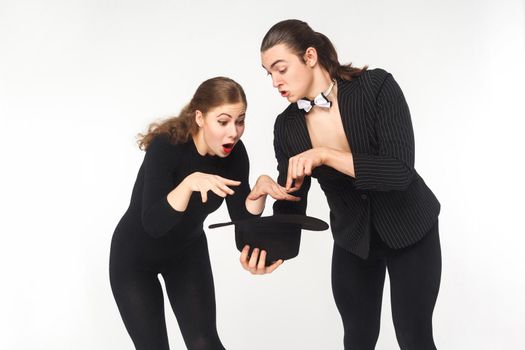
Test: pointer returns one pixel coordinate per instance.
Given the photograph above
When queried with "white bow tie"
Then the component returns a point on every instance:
(320, 101)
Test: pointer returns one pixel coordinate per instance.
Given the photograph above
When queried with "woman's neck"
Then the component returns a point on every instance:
(200, 144)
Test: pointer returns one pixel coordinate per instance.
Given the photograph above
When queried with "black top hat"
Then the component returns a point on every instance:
(279, 235)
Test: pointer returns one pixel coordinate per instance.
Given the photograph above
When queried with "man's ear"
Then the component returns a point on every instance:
(310, 57)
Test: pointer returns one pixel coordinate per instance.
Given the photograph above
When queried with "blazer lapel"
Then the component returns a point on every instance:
(351, 107)
(296, 130)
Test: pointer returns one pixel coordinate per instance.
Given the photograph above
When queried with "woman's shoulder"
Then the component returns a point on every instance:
(239, 149)
(238, 154)
(236, 164)
(162, 144)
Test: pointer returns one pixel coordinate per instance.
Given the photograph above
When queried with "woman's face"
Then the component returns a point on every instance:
(220, 128)
(290, 75)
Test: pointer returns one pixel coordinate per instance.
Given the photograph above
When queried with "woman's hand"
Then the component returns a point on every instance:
(256, 263)
(202, 182)
(302, 165)
(265, 185)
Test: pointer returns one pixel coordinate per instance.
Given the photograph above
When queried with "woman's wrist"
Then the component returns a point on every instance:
(186, 184)
(255, 206)
(261, 177)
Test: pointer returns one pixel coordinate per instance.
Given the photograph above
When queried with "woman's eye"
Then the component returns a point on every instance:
(240, 122)
(222, 123)
(282, 71)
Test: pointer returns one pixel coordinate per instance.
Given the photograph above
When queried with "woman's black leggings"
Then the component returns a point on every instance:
(189, 285)
(414, 273)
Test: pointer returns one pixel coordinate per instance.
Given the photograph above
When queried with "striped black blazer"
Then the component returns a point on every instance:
(386, 192)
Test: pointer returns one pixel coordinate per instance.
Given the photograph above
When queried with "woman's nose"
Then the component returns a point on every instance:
(233, 132)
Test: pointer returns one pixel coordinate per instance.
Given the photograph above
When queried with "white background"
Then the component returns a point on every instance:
(79, 79)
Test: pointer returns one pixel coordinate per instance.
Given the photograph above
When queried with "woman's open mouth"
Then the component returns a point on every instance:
(227, 147)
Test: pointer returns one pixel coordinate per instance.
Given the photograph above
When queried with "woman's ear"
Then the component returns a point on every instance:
(310, 57)
(199, 118)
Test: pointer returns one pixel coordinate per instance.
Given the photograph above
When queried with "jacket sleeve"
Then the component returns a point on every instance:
(393, 166)
(240, 171)
(158, 216)
(287, 207)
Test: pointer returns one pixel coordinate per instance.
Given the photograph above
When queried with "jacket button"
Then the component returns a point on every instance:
(364, 196)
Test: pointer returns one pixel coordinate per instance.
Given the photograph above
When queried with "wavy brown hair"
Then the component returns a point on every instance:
(298, 36)
(210, 94)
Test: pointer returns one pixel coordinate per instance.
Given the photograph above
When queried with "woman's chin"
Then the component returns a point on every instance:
(223, 153)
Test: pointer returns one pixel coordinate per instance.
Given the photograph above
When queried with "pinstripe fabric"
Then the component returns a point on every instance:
(387, 192)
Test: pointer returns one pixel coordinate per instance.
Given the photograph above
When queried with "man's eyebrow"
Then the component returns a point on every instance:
(273, 64)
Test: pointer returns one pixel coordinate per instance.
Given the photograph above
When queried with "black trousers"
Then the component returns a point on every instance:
(414, 273)
(189, 285)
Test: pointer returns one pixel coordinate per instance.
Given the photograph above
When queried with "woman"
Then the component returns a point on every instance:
(351, 129)
(192, 162)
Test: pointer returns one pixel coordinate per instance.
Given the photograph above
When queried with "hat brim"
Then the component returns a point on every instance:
(279, 235)
(303, 222)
